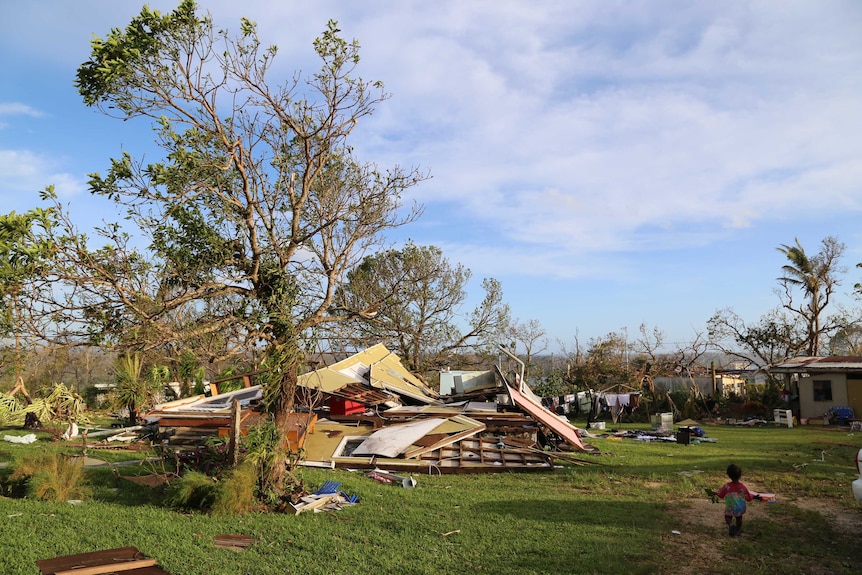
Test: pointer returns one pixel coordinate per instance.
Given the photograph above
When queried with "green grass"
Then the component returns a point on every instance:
(612, 517)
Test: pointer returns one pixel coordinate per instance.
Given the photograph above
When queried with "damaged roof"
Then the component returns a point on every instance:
(822, 364)
(377, 367)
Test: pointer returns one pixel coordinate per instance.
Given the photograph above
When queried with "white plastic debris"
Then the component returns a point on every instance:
(71, 432)
(23, 439)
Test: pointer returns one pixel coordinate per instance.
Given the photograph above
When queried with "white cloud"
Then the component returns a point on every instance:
(18, 109)
(587, 129)
(23, 174)
(705, 118)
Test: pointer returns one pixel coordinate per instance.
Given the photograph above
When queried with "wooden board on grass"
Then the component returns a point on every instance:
(126, 560)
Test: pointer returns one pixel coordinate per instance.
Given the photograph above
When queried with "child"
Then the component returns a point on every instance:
(735, 495)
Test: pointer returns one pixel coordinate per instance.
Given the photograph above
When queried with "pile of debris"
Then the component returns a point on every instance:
(369, 412)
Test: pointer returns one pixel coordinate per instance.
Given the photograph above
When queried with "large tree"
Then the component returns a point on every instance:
(413, 297)
(607, 363)
(258, 207)
(658, 361)
(817, 277)
(776, 336)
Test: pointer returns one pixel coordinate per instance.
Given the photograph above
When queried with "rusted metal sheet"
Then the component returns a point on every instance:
(565, 430)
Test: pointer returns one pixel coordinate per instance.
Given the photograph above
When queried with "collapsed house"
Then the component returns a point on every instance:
(369, 412)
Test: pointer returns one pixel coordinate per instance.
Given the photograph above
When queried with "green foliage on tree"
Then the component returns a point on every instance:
(607, 362)
(256, 210)
(190, 373)
(413, 299)
(134, 390)
(25, 253)
(800, 326)
(774, 337)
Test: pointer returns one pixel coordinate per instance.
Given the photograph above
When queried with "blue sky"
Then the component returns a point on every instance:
(611, 163)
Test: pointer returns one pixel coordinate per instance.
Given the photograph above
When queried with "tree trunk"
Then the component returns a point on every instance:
(20, 388)
(281, 392)
(133, 414)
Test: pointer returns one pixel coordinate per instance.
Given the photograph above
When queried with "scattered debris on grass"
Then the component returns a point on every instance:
(386, 477)
(234, 542)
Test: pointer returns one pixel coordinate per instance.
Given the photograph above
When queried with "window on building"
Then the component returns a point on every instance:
(822, 390)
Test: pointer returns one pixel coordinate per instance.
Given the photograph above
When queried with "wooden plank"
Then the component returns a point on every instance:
(195, 421)
(483, 453)
(361, 393)
(297, 509)
(233, 541)
(153, 480)
(67, 562)
(110, 568)
(233, 442)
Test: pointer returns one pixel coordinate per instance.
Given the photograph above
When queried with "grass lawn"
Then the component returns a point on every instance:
(640, 508)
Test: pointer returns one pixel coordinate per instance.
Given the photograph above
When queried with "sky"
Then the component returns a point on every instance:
(612, 163)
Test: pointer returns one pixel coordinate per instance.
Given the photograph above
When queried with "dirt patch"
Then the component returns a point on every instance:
(694, 547)
(698, 542)
(847, 521)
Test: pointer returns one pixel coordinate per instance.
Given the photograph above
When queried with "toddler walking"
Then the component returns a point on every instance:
(736, 497)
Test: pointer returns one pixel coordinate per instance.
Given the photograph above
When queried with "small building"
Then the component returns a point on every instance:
(818, 384)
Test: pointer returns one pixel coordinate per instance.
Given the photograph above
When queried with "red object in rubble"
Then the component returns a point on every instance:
(338, 406)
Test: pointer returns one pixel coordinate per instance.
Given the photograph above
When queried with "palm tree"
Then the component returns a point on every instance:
(134, 391)
(817, 277)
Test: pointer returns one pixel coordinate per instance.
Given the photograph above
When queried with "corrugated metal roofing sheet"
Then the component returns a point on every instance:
(831, 363)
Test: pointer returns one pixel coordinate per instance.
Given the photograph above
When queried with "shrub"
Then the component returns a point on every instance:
(236, 493)
(193, 490)
(51, 476)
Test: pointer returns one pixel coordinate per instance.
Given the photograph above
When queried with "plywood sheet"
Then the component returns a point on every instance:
(327, 380)
(363, 394)
(394, 440)
(447, 409)
(375, 367)
(322, 442)
(452, 430)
